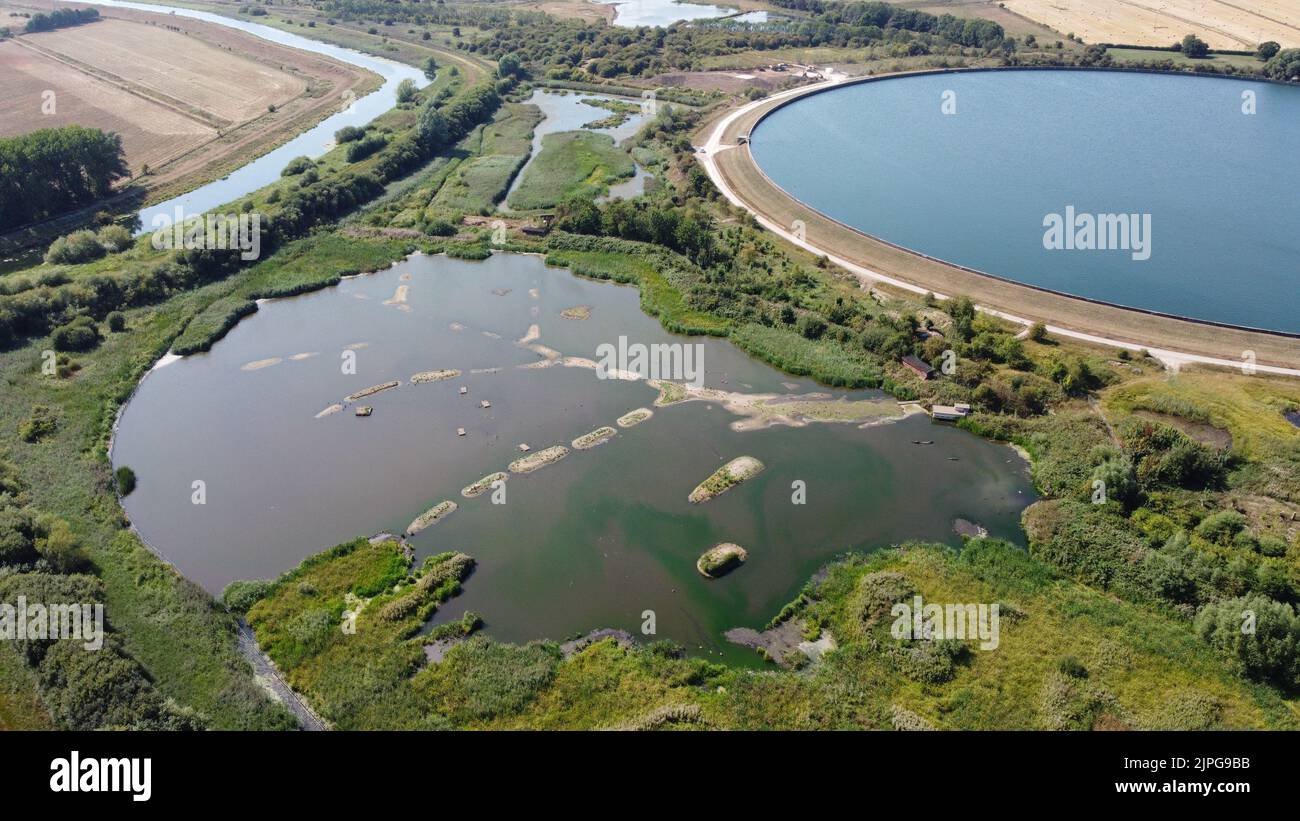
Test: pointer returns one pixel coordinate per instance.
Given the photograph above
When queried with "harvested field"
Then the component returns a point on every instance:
(172, 68)
(1226, 25)
(152, 134)
(190, 99)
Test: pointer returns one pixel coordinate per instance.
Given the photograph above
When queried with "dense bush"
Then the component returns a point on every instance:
(1285, 65)
(81, 334)
(40, 424)
(53, 170)
(296, 166)
(79, 246)
(363, 148)
(124, 479)
(60, 18)
(1259, 634)
(348, 133)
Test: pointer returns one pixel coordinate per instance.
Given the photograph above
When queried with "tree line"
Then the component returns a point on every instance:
(53, 170)
(60, 18)
(35, 307)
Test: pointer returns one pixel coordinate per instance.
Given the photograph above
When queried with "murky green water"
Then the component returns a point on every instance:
(591, 541)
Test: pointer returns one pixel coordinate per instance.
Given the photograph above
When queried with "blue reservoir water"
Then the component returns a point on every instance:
(975, 186)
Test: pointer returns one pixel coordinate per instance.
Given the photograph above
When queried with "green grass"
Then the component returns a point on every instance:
(1143, 668)
(496, 153)
(572, 163)
(660, 297)
(1144, 55)
(20, 707)
(827, 362)
(359, 679)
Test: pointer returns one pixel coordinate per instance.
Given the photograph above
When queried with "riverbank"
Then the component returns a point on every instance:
(732, 168)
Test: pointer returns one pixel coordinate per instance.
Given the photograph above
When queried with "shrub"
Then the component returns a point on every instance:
(240, 595)
(296, 166)
(114, 238)
(406, 91)
(59, 546)
(1072, 667)
(81, 334)
(1222, 527)
(348, 133)
(79, 246)
(116, 321)
(124, 478)
(880, 592)
(361, 149)
(40, 424)
(17, 536)
(1270, 652)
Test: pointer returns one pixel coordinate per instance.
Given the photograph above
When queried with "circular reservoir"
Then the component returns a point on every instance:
(974, 168)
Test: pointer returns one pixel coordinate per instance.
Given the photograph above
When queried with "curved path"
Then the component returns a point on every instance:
(1175, 342)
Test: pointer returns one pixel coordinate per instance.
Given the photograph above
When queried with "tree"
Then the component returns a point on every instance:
(1266, 50)
(52, 170)
(1195, 47)
(80, 334)
(406, 91)
(433, 129)
(59, 546)
(124, 478)
(509, 66)
(1285, 65)
(1262, 635)
(430, 65)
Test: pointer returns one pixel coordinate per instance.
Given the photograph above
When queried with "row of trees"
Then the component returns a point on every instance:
(60, 18)
(53, 170)
(30, 308)
(966, 31)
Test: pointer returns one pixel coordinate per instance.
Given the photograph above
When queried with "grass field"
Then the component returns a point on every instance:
(496, 152)
(572, 163)
(1164, 22)
(1141, 55)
